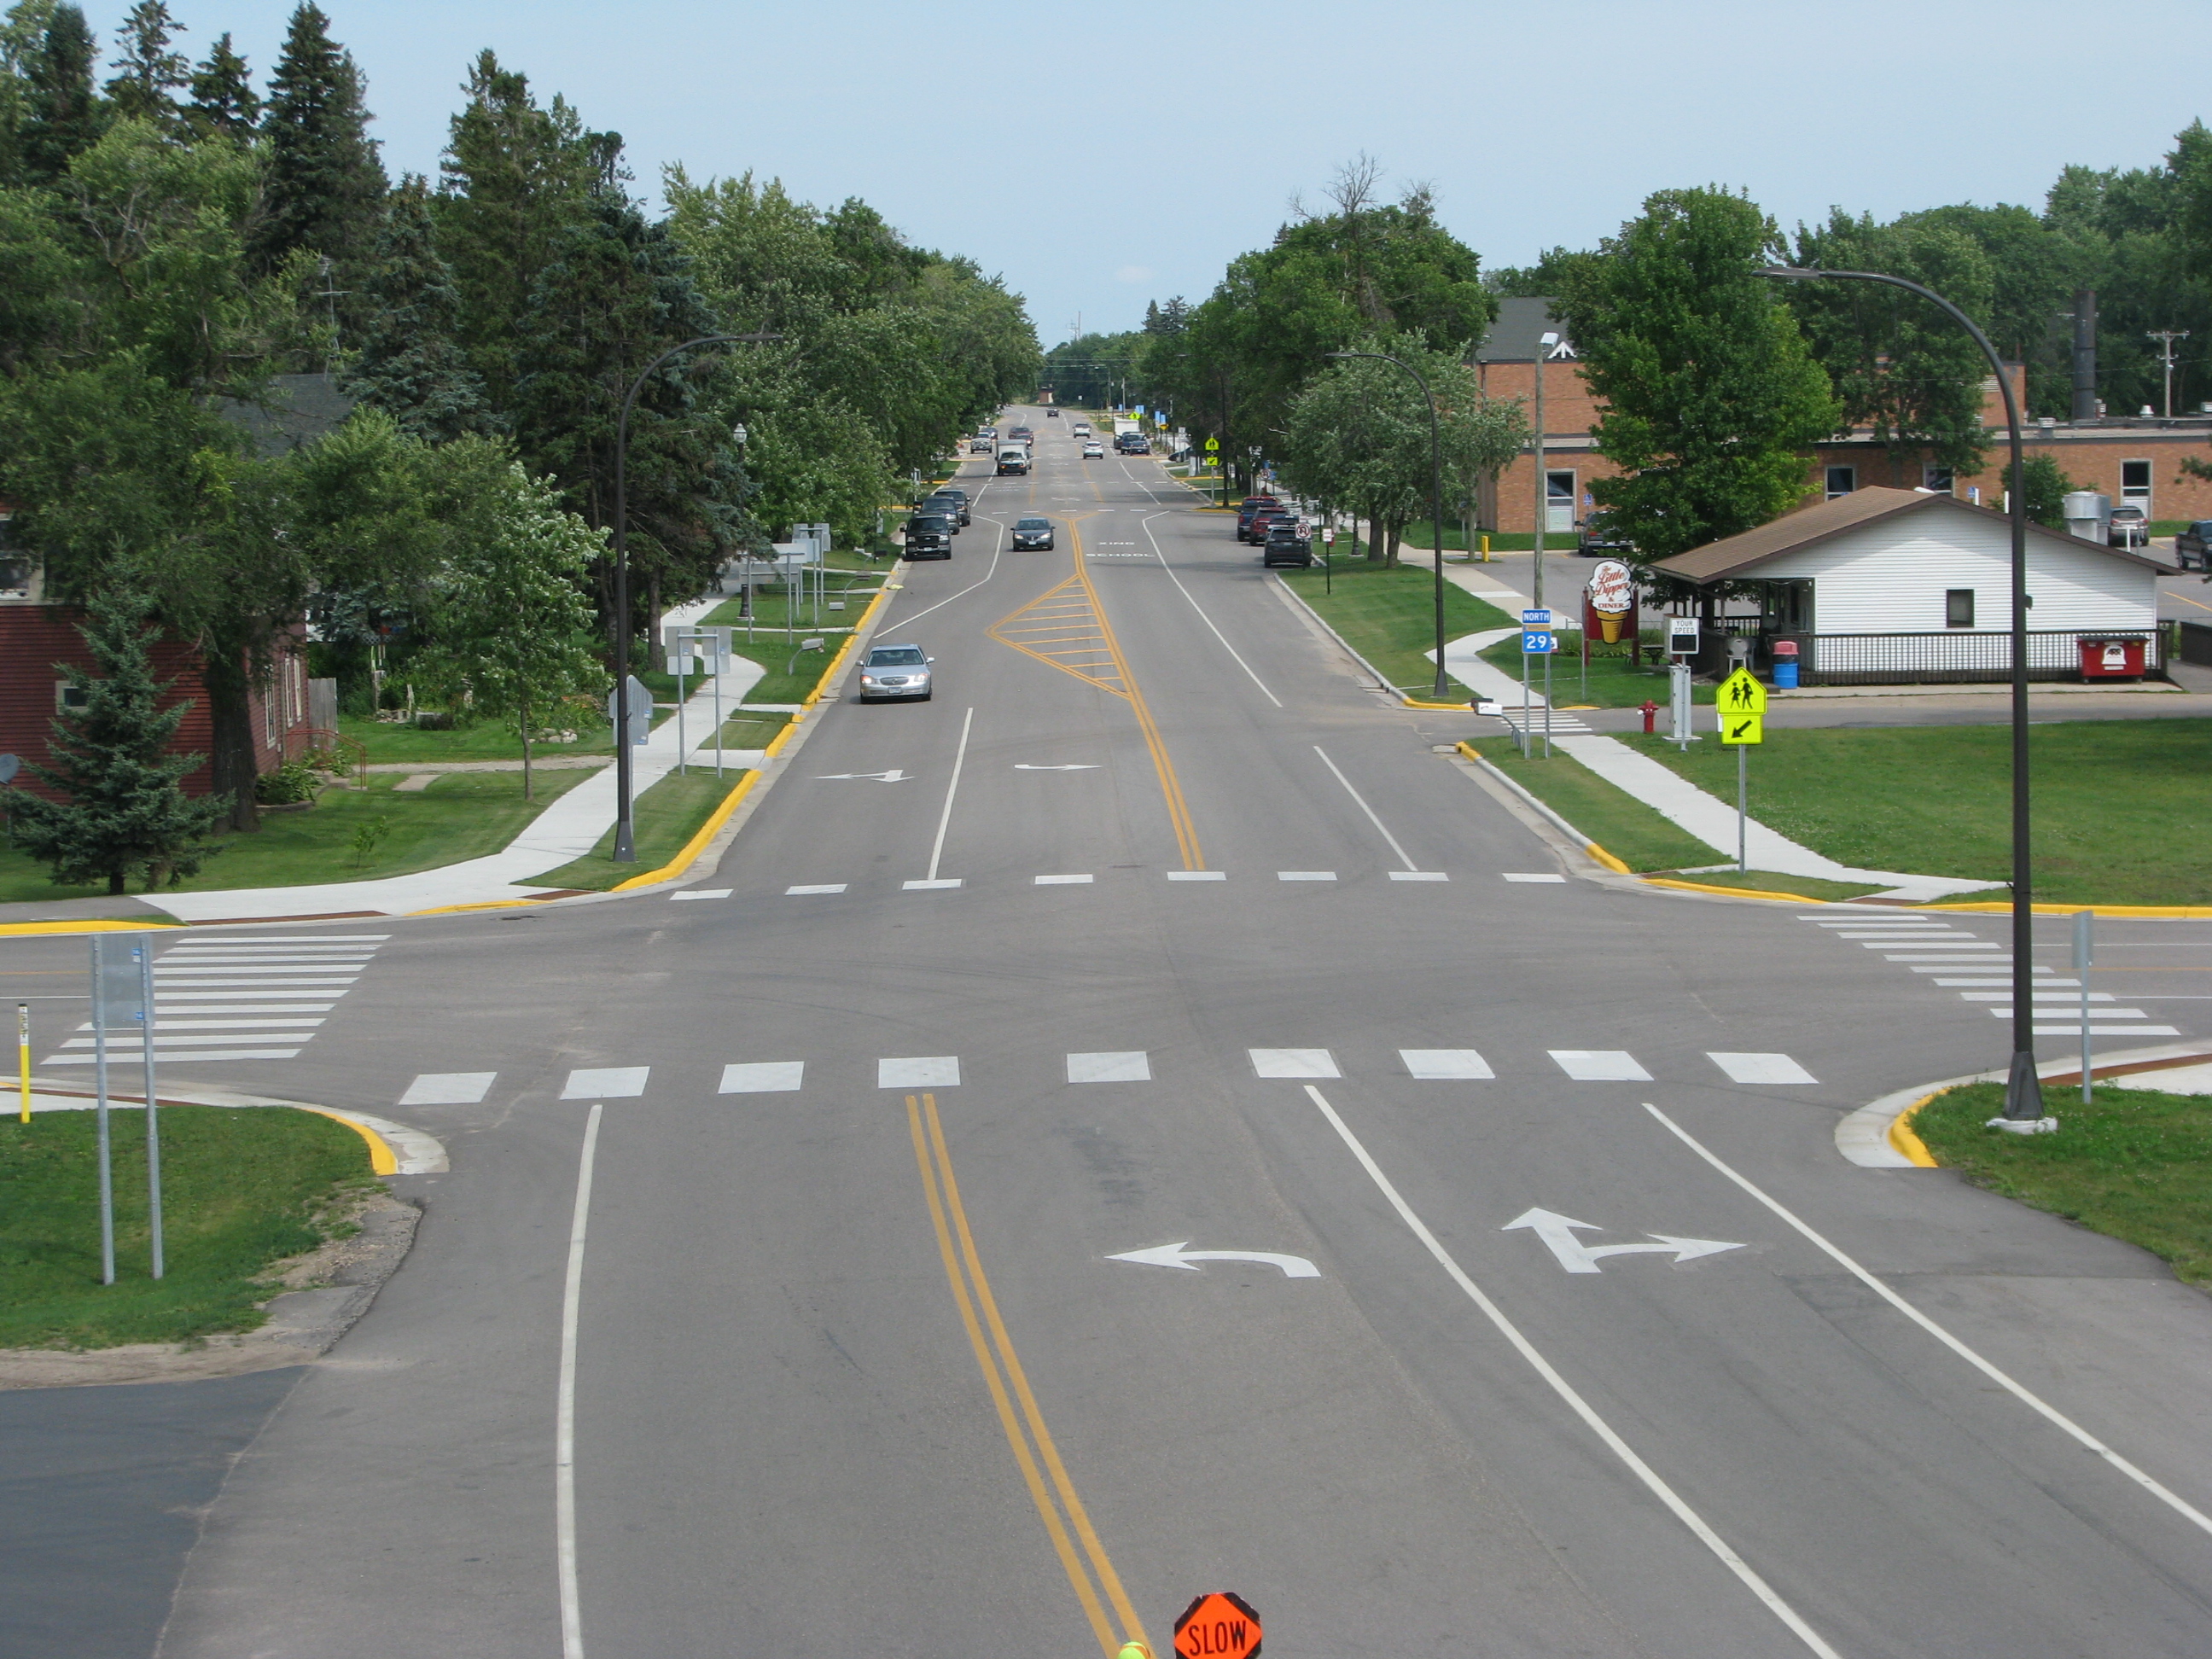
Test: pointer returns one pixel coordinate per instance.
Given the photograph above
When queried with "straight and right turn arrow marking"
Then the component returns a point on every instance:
(1558, 1232)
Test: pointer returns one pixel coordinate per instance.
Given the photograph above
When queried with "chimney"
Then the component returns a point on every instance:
(2085, 354)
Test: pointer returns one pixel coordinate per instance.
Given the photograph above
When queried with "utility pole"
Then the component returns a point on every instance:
(2165, 338)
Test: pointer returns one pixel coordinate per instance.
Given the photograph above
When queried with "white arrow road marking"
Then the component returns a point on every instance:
(892, 776)
(1181, 1256)
(1023, 766)
(1558, 1231)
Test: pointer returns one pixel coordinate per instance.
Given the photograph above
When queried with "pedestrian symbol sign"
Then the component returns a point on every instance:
(1740, 694)
(1219, 1625)
(1742, 728)
(1211, 445)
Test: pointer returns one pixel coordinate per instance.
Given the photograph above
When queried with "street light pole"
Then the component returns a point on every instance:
(2023, 1090)
(625, 828)
(1443, 689)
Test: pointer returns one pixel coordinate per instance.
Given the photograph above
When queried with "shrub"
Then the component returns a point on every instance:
(294, 782)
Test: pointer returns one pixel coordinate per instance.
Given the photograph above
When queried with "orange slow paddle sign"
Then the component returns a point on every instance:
(1219, 1625)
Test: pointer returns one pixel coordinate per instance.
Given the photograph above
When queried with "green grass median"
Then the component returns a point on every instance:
(668, 815)
(240, 1189)
(1387, 614)
(2134, 1164)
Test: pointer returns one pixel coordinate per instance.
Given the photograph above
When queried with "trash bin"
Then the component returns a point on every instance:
(2111, 658)
(1785, 664)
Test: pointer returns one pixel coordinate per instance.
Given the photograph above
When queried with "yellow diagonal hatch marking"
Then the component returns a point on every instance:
(1062, 627)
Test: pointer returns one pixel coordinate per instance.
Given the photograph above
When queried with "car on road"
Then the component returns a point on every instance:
(1013, 456)
(1596, 538)
(2129, 526)
(979, 446)
(2192, 548)
(929, 536)
(1022, 435)
(1032, 533)
(1132, 443)
(896, 670)
(1263, 518)
(1245, 509)
(1080, 430)
(1094, 451)
(1286, 546)
(954, 497)
(1052, 414)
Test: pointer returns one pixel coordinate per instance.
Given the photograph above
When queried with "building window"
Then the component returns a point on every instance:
(1559, 502)
(1959, 607)
(70, 699)
(1842, 481)
(2135, 485)
(1935, 478)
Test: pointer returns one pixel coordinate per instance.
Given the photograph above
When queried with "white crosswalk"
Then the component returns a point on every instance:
(222, 997)
(1564, 725)
(1087, 879)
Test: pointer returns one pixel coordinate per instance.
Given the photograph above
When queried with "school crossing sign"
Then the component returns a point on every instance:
(1741, 702)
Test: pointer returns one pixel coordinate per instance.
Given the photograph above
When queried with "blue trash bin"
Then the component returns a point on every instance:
(1785, 674)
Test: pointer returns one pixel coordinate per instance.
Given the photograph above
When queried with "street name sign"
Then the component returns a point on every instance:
(1740, 694)
(1742, 729)
(1219, 1625)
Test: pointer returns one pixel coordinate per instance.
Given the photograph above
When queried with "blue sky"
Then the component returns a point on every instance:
(1121, 150)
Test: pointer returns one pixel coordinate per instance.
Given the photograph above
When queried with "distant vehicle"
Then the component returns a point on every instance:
(1013, 456)
(1245, 509)
(1052, 414)
(1032, 533)
(1596, 538)
(896, 670)
(2192, 548)
(955, 498)
(988, 432)
(1094, 451)
(1263, 519)
(1022, 435)
(1080, 430)
(1132, 443)
(929, 536)
(2129, 527)
(1285, 547)
(979, 446)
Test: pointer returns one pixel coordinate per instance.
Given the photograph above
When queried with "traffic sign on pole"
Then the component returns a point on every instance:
(1743, 729)
(1536, 642)
(1219, 1625)
(1740, 694)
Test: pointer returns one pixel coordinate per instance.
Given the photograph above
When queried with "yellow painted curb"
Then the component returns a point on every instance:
(1416, 703)
(2181, 912)
(1906, 1143)
(837, 663)
(697, 844)
(1607, 858)
(485, 904)
(1731, 892)
(381, 1158)
(26, 928)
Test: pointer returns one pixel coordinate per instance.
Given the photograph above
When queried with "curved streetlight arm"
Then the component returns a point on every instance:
(625, 836)
(1441, 689)
(2023, 1090)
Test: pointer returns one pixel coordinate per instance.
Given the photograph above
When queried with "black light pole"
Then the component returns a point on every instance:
(625, 837)
(2023, 1090)
(1436, 500)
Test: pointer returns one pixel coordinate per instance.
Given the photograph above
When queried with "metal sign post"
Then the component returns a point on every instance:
(1741, 702)
(2085, 926)
(143, 951)
(1681, 647)
(24, 1054)
(1537, 640)
(118, 1000)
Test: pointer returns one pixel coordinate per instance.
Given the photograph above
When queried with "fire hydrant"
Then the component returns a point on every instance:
(1650, 716)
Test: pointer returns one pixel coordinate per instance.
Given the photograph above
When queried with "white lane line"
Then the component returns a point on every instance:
(167, 1058)
(606, 1082)
(763, 1076)
(1418, 875)
(448, 1089)
(163, 1007)
(1760, 1068)
(287, 1030)
(945, 819)
(1202, 616)
(1063, 881)
(1565, 1390)
(1198, 875)
(929, 886)
(1366, 808)
(1305, 875)
(1293, 1062)
(2050, 1413)
(919, 1072)
(818, 887)
(1511, 875)
(1111, 1065)
(997, 547)
(564, 1409)
(703, 893)
(1445, 1064)
(1600, 1065)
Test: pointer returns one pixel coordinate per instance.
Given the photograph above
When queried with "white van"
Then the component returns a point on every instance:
(1012, 458)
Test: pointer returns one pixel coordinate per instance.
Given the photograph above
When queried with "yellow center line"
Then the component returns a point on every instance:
(2185, 600)
(949, 1199)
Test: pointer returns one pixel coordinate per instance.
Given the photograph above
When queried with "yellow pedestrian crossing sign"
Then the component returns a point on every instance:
(1740, 694)
(1742, 728)
(1213, 445)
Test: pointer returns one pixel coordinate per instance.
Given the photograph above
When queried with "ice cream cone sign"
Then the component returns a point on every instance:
(1611, 596)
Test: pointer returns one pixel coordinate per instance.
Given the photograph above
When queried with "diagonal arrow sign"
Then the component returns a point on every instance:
(892, 776)
(1558, 1232)
(1181, 1256)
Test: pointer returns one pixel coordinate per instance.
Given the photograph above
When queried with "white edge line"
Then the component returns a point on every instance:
(945, 820)
(1582, 1409)
(1365, 807)
(2034, 1402)
(1147, 524)
(564, 1426)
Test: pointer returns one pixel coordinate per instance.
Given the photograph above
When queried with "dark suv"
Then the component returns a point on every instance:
(954, 501)
(1133, 443)
(1245, 508)
(2192, 548)
(1286, 546)
(929, 536)
(1596, 539)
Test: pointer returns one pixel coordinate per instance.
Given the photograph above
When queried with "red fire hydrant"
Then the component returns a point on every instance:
(1650, 716)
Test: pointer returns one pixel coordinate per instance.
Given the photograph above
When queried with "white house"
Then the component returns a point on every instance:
(1900, 585)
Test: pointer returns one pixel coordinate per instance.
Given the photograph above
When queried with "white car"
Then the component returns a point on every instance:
(1080, 430)
(1093, 450)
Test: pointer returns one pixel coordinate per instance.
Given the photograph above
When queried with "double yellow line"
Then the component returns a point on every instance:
(1003, 1374)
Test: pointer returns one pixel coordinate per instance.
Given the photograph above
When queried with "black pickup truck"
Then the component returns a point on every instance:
(929, 536)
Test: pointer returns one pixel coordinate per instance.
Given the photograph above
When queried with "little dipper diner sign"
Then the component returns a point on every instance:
(1611, 609)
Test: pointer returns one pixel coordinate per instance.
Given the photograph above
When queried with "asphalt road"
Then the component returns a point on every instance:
(854, 1370)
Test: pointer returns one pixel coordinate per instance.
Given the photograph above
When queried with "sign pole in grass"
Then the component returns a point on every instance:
(1742, 701)
(99, 1108)
(144, 953)
(2085, 926)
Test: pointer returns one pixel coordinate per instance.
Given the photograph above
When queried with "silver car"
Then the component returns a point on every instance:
(894, 670)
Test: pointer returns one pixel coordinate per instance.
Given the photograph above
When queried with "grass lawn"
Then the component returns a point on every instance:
(668, 815)
(1387, 614)
(752, 731)
(1614, 683)
(2119, 805)
(240, 1189)
(465, 815)
(2135, 1164)
(1632, 832)
(388, 741)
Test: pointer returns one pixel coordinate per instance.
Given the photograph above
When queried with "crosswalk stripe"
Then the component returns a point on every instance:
(117, 1043)
(1600, 1064)
(1110, 1066)
(919, 1072)
(1438, 1065)
(2109, 1030)
(1510, 875)
(1294, 1063)
(762, 1077)
(703, 893)
(1063, 881)
(169, 1059)
(1305, 875)
(448, 1089)
(1418, 875)
(606, 1082)
(818, 887)
(1760, 1068)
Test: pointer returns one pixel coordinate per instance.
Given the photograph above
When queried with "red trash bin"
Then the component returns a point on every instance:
(2111, 659)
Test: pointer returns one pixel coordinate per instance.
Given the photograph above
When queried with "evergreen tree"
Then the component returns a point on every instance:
(326, 186)
(124, 809)
(61, 114)
(149, 76)
(411, 363)
(224, 99)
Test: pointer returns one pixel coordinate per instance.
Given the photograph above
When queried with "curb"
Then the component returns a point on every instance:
(1590, 848)
(2171, 912)
(394, 1148)
(26, 929)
